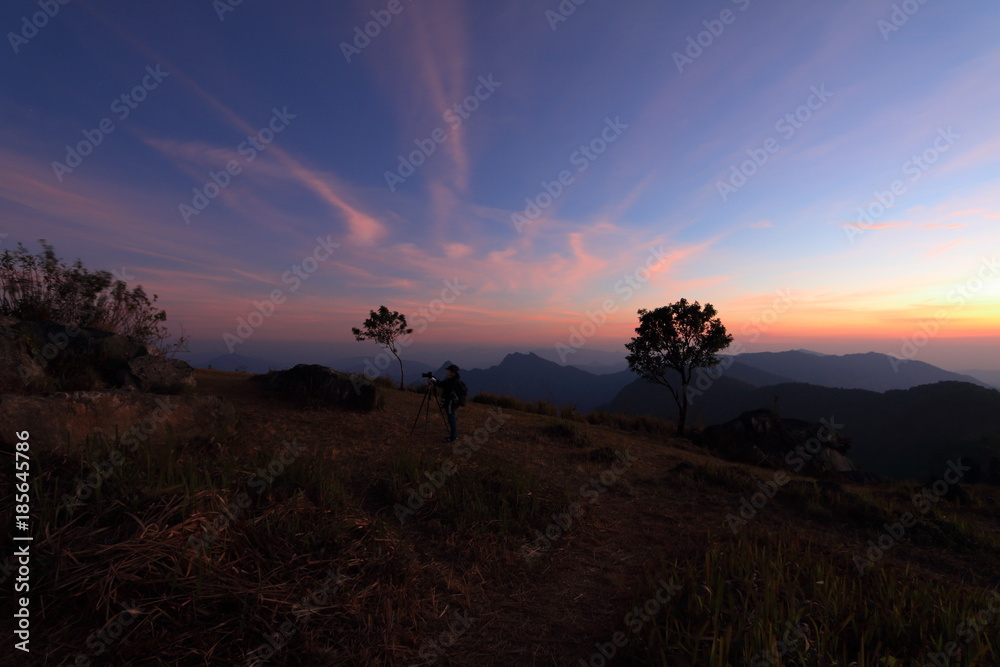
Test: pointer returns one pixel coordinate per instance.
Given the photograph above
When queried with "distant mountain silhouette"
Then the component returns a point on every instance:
(362, 365)
(871, 370)
(900, 433)
(600, 369)
(531, 378)
(598, 362)
(991, 378)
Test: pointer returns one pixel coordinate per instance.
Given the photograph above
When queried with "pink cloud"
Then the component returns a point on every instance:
(942, 249)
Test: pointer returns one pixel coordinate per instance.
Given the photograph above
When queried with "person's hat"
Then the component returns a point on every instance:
(453, 368)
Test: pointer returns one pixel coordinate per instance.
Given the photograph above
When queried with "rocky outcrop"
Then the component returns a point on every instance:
(761, 437)
(41, 356)
(312, 384)
(64, 421)
(161, 375)
(17, 368)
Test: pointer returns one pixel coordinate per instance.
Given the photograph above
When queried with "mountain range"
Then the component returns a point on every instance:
(871, 370)
(905, 418)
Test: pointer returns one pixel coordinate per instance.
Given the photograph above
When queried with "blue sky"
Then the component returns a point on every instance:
(728, 146)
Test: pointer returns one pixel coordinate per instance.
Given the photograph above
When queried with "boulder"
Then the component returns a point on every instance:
(312, 384)
(43, 356)
(63, 421)
(18, 369)
(162, 375)
(762, 437)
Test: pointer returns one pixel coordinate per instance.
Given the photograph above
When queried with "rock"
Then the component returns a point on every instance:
(18, 369)
(761, 437)
(161, 375)
(64, 421)
(43, 356)
(312, 384)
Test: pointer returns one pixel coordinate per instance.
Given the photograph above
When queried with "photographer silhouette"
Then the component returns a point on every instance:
(453, 394)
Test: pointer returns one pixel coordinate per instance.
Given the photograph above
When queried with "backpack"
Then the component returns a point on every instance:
(462, 393)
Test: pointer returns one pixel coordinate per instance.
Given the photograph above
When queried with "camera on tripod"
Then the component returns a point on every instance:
(430, 397)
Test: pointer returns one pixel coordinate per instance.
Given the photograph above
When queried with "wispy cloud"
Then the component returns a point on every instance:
(942, 249)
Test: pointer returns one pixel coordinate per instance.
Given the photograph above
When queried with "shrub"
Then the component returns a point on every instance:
(501, 401)
(544, 408)
(567, 430)
(44, 287)
(384, 382)
(624, 422)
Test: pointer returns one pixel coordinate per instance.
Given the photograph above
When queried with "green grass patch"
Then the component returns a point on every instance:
(776, 599)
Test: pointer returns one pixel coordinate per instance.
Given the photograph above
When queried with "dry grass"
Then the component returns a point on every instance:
(192, 555)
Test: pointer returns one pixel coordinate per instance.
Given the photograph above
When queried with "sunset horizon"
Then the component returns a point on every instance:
(519, 175)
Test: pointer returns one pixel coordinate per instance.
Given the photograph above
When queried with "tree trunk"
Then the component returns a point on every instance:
(682, 410)
(401, 385)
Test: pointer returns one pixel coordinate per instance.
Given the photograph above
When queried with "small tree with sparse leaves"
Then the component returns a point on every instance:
(680, 337)
(385, 327)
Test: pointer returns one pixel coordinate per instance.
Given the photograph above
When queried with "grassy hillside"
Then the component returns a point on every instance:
(898, 433)
(302, 538)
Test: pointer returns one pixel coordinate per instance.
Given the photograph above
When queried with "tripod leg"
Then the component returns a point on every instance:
(441, 411)
(419, 410)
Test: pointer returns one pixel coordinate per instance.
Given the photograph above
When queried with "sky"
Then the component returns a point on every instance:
(518, 174)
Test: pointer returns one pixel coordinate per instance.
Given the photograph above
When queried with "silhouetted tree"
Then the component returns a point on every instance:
(44, 287)
(680, 337)
(384, 327)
